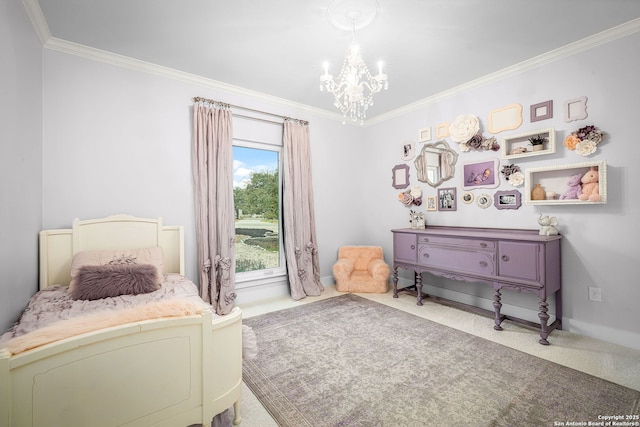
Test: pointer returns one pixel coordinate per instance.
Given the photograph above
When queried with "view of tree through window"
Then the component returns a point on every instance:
(256, 192)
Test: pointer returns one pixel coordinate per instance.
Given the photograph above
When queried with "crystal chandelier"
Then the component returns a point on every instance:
(355, 87)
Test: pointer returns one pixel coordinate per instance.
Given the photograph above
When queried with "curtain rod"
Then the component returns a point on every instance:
(225, 105)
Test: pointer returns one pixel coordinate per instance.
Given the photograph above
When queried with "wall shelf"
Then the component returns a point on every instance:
(513, 146)
(554, 179)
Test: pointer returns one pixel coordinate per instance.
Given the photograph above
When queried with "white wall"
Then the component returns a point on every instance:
(599, 248)
(119, 141)
(20, 159)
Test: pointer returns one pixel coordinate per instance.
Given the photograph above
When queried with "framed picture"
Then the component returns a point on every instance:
(467, 197)
(447, 199)
(541, 111)
(442, 130)
(509, 199)
(505, 118)
(400, 176)
(408, 150)
(417, 220)
(424, 134)
(484, 200)
(481, 174)
(575, 109)
(431, 203)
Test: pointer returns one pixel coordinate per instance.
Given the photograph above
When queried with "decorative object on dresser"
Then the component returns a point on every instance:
(547, 225)
(417, 220)
(520, 260)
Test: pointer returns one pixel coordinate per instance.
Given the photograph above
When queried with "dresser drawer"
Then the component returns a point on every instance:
(458, 242)
(456, 260)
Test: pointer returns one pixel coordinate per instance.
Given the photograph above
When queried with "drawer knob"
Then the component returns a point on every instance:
(483, 244)
(425, 255)
(483, 263)
(505, 258)
(413, 246)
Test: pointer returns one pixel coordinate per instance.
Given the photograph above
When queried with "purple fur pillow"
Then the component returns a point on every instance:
(103, 281)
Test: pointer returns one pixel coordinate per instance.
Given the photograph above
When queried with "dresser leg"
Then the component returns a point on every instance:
(497, 305)
(395, 282)
(419, 287)
(544, 318)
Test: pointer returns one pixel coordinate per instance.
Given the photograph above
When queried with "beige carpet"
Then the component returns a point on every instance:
(349, 361)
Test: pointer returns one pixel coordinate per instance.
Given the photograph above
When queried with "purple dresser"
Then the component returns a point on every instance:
(517, 260)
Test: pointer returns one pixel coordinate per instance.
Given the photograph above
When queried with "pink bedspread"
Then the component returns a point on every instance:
(55, 303)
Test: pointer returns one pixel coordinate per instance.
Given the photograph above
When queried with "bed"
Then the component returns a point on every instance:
(176, 367)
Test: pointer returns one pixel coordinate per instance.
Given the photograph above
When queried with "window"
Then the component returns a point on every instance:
(256, 190)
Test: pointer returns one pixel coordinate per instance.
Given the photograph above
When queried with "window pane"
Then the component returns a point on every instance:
(256, 191)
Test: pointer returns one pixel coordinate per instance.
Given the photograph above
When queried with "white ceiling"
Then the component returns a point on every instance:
(277, 47)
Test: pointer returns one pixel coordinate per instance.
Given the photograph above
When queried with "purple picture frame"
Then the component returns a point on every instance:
(482, 174)
(507, 199)
(400, 176)
(541, 111)
(447, 200)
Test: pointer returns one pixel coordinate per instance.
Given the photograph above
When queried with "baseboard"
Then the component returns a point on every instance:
(603, 333)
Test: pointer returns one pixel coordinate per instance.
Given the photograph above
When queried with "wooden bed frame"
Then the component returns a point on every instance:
(160, 372)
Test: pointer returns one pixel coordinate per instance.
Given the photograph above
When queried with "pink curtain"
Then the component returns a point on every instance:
(301, 247)
(212, 160)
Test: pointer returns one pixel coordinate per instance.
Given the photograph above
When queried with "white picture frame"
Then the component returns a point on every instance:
(505, 118)
(575, 109)
(424, 134)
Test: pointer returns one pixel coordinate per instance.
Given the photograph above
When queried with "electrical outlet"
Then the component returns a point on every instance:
(595, 294)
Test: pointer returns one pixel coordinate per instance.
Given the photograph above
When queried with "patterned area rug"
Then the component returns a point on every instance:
(349, 361)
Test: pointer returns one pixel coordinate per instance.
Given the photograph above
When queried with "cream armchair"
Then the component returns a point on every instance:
(361, 269)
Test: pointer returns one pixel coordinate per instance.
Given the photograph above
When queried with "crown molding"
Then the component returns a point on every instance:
(34, 11)
(94, 54)
(42, 29)
(570, 49)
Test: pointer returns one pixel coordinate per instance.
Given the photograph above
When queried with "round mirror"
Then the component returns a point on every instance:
(436, 163)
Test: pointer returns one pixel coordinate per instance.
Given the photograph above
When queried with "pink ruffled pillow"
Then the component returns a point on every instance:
(104, 281)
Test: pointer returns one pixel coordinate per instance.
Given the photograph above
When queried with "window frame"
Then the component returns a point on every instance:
(265, 276)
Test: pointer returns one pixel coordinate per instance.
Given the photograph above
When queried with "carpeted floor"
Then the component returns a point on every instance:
(351, 361)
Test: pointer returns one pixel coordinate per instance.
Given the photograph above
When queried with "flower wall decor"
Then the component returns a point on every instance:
(464, 127)
(411, 197)
(513, 174)
(585, 140)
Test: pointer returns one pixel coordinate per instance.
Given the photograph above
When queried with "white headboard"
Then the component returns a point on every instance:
(57, 247)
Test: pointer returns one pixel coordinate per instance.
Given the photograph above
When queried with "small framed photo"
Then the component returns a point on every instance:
(408, 150)
(424, 134)
(447, 199)
(467, 197)
(400, 176)
(481, 174)
(484, 200)
(509, 199)
(432, 205)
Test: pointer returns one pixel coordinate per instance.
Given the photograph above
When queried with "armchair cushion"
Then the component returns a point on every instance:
(361, 269)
